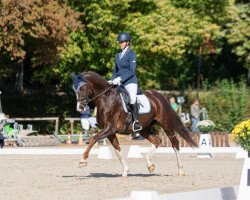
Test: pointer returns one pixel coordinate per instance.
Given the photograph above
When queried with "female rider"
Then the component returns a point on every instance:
(124, 73)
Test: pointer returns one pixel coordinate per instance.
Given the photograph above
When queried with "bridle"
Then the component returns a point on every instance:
(90, 94)
(101, 93)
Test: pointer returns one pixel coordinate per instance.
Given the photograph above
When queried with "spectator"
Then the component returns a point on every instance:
(173, 103)
(195, 115)
(87, 121)
(92, 120)
(84, 119)
(2, 122)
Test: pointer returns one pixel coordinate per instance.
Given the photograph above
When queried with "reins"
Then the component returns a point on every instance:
(101, 93)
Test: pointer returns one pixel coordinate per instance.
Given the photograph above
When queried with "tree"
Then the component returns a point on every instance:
(164, 37)
(34, 30)
(238, 33)
(94, 48)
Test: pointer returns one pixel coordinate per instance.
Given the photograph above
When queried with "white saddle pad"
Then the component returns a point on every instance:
(144, 104)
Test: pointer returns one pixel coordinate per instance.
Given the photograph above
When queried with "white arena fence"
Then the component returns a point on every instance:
(227, 193)
(102, 152)
(135, 151)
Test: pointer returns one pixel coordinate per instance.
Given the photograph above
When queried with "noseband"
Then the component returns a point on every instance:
(86, 97)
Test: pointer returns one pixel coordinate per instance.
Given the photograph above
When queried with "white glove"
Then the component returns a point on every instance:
(110, 82)
(117, 81)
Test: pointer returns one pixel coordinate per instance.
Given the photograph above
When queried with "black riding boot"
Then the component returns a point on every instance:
(136, 124)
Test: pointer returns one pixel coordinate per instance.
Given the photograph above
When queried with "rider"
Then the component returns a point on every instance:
(124, 72)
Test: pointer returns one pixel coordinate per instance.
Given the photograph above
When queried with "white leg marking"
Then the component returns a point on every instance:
(82, 163)
(123, 162)
(148, 157)
(181, 171)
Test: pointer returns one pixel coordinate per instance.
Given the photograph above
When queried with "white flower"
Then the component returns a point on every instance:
(205, 125)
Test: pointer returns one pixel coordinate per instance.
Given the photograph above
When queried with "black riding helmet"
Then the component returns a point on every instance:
(123, 37)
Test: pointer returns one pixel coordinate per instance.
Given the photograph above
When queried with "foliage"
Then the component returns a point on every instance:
(205, 126)
(65, 128)
(241, 134)
(215, 10)
(238, 32)
(227, 103)
(40, 104)
(166, 35)
(163, 35)
(95, 47)
(34, 31)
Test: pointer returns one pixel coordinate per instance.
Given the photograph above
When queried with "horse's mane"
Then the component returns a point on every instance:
(93, 76)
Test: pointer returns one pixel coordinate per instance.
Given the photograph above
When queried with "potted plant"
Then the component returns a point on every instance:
(241, 135)
(205, 126)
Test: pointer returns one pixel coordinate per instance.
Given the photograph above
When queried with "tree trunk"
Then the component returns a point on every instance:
(0, 103)
(19, 77)
(248, 77)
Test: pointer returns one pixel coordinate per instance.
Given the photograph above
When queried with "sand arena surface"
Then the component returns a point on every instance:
(58, 176)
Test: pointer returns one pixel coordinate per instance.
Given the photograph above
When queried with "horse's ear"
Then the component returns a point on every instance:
(72, 74)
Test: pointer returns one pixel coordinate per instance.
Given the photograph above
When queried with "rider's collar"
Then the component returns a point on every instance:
(125, 49)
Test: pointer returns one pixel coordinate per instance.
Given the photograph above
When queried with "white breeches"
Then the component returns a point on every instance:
(85, 123)
(132, 90)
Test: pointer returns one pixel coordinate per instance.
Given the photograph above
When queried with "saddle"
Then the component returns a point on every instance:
(143, 104)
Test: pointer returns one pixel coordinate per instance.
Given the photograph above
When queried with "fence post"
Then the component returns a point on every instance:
(57, 126)
(227, 140)
(72, 126)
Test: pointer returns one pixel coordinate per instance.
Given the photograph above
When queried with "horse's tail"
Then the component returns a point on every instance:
(182, 130)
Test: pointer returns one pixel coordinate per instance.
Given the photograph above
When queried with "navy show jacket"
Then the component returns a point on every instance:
(125, 67)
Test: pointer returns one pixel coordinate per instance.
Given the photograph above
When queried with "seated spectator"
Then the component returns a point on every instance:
(87, 121)
(173, 103)
(92, 120)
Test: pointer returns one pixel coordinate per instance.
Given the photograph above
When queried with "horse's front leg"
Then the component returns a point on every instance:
(156, 141)
(102, 134)
(114, 141)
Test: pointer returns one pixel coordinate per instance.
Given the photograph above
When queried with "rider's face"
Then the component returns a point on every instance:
(123, 45)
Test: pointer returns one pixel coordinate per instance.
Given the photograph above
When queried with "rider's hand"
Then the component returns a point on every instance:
(117, 81)
(110, 82)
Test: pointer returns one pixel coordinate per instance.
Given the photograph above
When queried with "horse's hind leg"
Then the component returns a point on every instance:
(156, 141)
(114, 141)
(175, 144)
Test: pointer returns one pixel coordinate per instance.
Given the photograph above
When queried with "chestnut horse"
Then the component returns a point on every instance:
(111, 118)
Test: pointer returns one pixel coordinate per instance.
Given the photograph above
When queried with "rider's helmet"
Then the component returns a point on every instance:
(123, 37)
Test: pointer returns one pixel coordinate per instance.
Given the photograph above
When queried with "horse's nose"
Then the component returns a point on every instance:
(81, 106)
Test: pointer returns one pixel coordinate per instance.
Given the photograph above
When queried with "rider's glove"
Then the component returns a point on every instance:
(117, 81)
(110, 82)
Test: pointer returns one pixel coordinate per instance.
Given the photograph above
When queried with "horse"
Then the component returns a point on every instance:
(89, 86)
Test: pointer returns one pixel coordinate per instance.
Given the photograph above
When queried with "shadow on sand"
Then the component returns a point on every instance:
(105, 175)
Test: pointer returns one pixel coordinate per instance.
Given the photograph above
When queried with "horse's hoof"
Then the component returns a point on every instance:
(181, 173)
(82, 163)
(124, 176)
(151, 168)
(125, 173)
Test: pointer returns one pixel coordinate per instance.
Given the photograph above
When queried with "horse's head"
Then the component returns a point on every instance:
(82, 91)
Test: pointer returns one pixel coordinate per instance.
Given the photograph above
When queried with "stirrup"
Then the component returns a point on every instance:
(133, 126)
